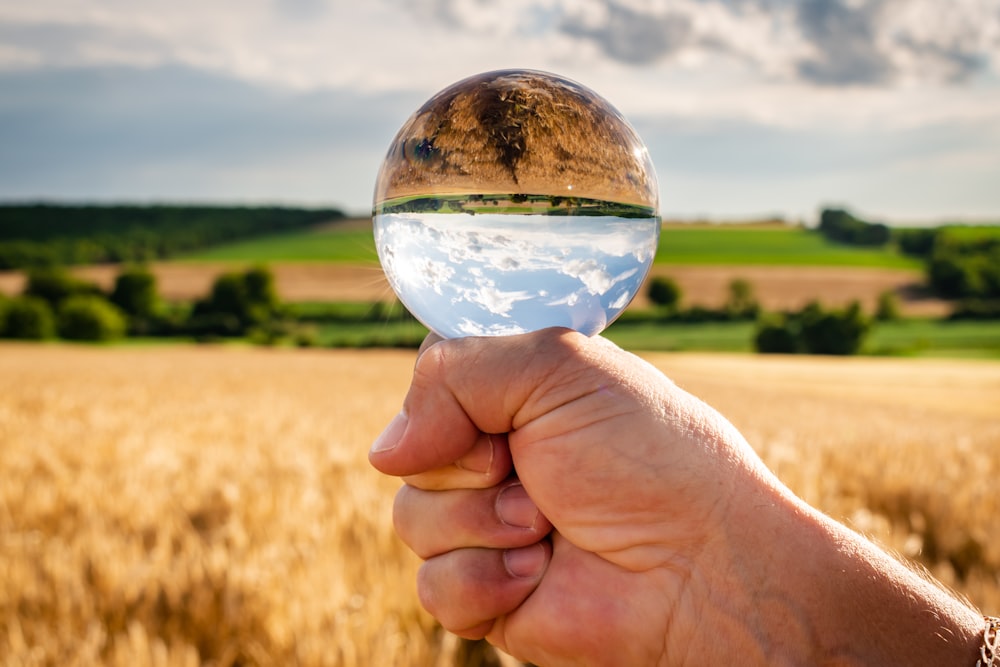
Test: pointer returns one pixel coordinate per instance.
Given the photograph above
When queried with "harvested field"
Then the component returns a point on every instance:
(791, 287)
(201, 505)
(776, 287)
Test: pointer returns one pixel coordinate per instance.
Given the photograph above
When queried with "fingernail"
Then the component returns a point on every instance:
(390, 437)
(480, 459)
(515, 508)
(526, 562)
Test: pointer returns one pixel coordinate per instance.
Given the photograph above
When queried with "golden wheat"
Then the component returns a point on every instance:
(214, 506)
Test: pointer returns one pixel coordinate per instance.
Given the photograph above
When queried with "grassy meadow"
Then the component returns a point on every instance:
(204, 505)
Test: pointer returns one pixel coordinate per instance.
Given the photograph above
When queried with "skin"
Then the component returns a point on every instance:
(639, 527)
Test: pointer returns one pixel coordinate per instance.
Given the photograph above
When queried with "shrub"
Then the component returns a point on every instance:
(90, 318)
(838, 332)
(814, 330)
(135, 292)
(28, 318)
(55, 284)
(742, 304)
(965, 268)
(250, 299)
(664, 291)
(840, 226)
(775, 335)
(916, 242)
(887, 309)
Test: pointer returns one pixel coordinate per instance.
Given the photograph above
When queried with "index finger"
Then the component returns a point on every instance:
(465, 387)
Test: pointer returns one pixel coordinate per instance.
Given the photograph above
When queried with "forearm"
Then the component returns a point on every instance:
(825, 596)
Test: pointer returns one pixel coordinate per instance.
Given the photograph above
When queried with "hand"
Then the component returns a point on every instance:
(668, 540)
(635, 474)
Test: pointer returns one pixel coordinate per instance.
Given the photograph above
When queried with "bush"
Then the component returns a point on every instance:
(55, 284)
(664, 291)
(839, 332)
(135, 292)
(840, 226)
(28, 318)
(814, 330)
(249, 299)
(965, 269)
(742, 303)
(90, 318)
(887, 309)
(775, 335)
(916, 242)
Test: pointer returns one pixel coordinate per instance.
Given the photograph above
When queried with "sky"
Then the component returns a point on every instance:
(749, 108)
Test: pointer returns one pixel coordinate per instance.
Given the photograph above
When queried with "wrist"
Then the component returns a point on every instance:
(824, 596)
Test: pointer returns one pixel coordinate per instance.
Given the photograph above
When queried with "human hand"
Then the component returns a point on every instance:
(635, 475)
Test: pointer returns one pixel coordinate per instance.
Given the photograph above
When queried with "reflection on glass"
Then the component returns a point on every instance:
(513, 201)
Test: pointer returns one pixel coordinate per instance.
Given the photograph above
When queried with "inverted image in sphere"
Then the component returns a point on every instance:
(513, 201)
(518, 132)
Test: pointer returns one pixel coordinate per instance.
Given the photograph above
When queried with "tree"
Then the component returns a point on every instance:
(55, 284)
(28, 318)
(840, 226)
(90, 318)
(814, 330)
(776, 335)
(135, 292)
(664, 291)
(742, 303)
(135, 295)
(888, 307)
(839, 332)
(238, 302)
(917, 242)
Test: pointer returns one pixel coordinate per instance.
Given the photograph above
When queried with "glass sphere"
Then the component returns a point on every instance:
(513, 201)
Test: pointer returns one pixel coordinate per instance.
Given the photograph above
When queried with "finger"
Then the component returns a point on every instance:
(462, 387)
(434, 522)
(487, 463)
(430, 339)
(467, 589)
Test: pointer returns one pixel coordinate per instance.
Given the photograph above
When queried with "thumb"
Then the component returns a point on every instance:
(464, 387)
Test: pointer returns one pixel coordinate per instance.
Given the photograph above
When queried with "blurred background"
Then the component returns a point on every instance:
(199, 345)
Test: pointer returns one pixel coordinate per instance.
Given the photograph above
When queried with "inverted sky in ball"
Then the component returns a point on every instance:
(513, 201)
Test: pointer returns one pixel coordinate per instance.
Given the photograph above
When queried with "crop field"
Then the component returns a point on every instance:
(214, 506)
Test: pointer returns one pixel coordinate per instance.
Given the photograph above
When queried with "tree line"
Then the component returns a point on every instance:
(240, 304)
(35, 235)
(959, 264)
(55, 304)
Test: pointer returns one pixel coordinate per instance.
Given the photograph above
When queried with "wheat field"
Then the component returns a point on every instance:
(190, 506)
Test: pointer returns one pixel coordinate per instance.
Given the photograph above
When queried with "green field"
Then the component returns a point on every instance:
(723, 245)
(315, 245)
(911, 337)
(732, 245)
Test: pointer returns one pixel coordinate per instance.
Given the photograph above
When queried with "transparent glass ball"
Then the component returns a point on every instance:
(513, 201)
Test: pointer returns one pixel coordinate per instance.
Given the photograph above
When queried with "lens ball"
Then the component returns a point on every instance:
(513, 201)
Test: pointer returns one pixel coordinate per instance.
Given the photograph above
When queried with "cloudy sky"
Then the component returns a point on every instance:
(749, 107)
